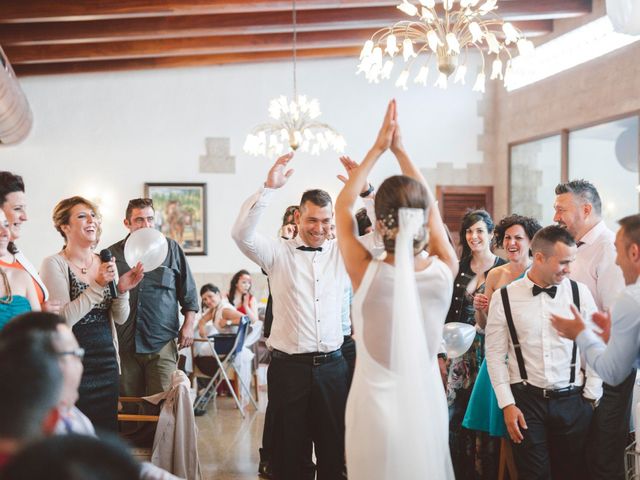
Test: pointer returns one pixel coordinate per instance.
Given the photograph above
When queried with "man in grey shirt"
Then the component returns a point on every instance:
(148, 352)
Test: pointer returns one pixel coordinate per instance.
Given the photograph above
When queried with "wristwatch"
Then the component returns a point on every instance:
(442, 356)
(367, 192)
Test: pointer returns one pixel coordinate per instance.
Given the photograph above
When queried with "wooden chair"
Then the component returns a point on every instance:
(506, 462)
(139, 453)
(135, 417)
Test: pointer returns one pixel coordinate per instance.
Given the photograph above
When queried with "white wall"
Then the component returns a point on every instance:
(105, 135)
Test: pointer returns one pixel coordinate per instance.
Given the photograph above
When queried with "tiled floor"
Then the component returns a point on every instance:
(227, 443)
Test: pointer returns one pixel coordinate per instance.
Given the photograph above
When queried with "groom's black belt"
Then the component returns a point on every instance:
(549, 392)
(311, 358)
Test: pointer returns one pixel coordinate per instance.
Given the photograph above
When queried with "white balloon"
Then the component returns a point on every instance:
(458, 338)
(148, 246)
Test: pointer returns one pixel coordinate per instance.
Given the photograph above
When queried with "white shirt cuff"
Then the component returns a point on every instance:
(504, 395)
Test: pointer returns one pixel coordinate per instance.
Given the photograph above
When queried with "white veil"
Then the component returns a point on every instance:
(420, 401)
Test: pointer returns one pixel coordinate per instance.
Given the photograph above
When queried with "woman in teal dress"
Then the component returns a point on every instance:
(17, 292)
(513, 234)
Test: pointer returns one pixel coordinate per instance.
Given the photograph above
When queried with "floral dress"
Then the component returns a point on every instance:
(474, 455)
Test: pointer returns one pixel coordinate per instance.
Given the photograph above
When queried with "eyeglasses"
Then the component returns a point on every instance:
(76, 352)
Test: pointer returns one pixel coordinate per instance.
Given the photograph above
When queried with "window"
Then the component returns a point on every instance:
(607, 156)
(535, 170)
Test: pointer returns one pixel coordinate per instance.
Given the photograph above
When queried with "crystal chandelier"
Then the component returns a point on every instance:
(444, 37)
(295, 123)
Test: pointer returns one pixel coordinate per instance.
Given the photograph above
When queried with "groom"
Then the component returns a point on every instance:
(308, 376)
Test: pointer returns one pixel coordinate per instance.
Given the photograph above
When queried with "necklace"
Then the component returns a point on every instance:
(84, 269)
(7, 288)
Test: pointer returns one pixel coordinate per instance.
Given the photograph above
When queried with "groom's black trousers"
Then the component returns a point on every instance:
(307, 399)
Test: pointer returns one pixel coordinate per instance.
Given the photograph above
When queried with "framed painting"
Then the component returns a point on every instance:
(181, 213)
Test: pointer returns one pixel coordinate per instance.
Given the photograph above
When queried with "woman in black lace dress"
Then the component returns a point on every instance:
(80, 282)
(473, 457)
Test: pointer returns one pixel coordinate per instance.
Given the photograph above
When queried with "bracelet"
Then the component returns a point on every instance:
(367, 192)
(442, 356)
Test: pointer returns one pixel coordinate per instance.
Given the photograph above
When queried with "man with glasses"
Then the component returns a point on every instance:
(47, 340)
(32, 387)
(148, 352)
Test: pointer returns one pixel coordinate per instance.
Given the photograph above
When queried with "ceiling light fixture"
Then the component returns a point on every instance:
(444, 35)
(295, 123)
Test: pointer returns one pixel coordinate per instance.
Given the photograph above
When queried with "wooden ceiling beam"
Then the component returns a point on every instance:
(183, 46)
(179, 62)
(212, 25)
(78, 10)
(222, 44)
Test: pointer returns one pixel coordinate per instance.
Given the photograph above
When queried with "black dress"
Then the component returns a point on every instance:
(98, 390)
(474, 456)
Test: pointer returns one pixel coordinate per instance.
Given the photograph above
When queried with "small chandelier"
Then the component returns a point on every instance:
(294, 123)
(445, 38)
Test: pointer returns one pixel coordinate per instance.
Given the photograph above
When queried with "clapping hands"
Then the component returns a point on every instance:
(385, 137)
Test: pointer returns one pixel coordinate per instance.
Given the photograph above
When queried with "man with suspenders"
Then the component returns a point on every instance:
(546, 401)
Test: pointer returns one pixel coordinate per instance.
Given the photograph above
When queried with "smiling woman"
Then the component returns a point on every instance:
(79, 281)
(17, 292)
(470, 453)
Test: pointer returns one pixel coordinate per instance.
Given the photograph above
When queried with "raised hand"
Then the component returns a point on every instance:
(130, 279)
(350, 166)
(396, 141)
(385, 135)
(279, 175)
(288, 231)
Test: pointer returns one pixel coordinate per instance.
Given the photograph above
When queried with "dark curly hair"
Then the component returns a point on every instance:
(530, 226)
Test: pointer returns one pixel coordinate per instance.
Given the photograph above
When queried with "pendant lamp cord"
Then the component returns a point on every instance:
(295, 37)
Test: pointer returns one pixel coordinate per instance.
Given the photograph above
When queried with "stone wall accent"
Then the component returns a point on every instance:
(218, 158)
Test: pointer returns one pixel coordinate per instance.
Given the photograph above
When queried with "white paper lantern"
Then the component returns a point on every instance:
(625, 15)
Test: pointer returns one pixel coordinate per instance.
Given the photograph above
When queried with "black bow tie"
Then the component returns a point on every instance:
(551, 291)
(304, 248)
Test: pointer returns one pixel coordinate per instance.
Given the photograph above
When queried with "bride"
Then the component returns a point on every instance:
(396, 418)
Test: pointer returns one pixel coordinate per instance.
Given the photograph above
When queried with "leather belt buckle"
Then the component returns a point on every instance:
(546, 393)
(318, 360)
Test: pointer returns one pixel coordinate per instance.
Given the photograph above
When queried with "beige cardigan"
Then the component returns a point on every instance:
(55, 275)
(175, 445)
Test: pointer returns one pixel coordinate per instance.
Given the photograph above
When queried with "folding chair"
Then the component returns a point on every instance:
(225, 349)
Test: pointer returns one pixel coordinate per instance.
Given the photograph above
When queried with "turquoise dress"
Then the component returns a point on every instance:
(18, 305)
(483, 413)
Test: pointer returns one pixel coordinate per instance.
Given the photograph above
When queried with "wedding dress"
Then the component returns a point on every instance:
(396, 416)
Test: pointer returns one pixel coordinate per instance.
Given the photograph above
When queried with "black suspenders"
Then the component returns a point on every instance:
(514, 335)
